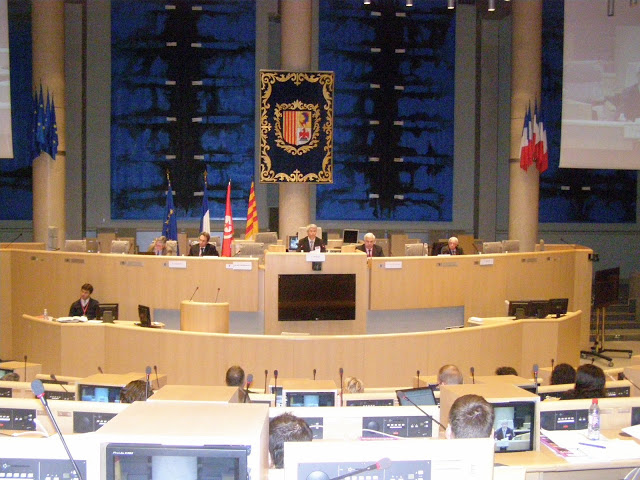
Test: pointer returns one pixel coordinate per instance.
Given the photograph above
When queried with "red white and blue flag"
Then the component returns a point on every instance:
(541, 153)
(526, 142)
(227, 237)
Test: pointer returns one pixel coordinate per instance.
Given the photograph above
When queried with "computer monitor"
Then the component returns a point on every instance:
(144, 314)
(558, 306)
(538, 309)
(108, 312)
(417, 396)
(514, 426)
(292, 241)
(309, 398)
(350, 236)
(99, 393)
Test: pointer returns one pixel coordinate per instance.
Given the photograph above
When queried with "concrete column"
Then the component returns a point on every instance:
(47, 18)
(525, 88)
(295, 25)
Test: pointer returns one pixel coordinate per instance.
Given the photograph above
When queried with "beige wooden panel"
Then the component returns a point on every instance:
(23, 245)
(296, 263)
(485, 285)
(6, 284)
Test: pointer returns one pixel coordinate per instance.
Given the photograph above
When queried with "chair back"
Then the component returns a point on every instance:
(75, 245)
(414, 249)
(120, 246)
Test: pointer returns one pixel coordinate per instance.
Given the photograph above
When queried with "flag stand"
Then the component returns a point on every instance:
(598, 347)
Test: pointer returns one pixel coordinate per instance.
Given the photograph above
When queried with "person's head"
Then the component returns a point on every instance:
(353, 385)
(85, 291)
(563, 373)
(471, 416)
(506, 371)
(286, 428)
(449, 375)
(204, 239)
(369, 240)
(10, 377)
(235, 376)
(590, 381)
(312, 231)
(453, 243)
(135, 391)
(160, 242)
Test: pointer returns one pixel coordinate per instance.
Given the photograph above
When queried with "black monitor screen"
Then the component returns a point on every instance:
(310, 399)
(419, 396)
(605, 287)
(316, 297)
(538, 309)
(109, 307)
(558, 306)
(350, 236)
(195, 462)
(371, 402)
(144, 314)
(514, 426)
(518, 308)
(99, 393)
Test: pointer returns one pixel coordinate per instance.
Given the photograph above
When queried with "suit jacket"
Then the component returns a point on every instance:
(303, 245)
(209, 251)
(377, 250)
(92, 309)
(500, 435)
(445, 250)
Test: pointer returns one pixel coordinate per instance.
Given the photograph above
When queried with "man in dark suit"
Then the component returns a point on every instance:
(203, 248)
(311, 241)
(369, 246)
(452, 248)
(85, 306)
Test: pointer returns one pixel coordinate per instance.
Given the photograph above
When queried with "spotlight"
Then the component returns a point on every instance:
(492, 5)
(611, 5)
(451, 4)
(367, 2)
(409, 3)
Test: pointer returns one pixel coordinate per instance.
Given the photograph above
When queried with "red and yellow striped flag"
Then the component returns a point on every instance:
(252, 215)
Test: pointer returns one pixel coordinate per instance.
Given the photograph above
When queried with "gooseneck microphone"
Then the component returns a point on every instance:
(418, 375)
(155, 369)
(535, 376)
(11, 242)
(194, 292)
(246, 390)
(314, 373)
(217, 294)
(53, 377)
(100, 369)
(38, 390)
(403, 396)
(266, 376)
(552, 364)
(624, 377)
(275, 387)
(473, 375)
(381, 464)
(147, 386)
(25, 368)
(341, 372)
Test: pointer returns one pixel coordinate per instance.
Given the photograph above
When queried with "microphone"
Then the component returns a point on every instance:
(100, 369)
(552, 364)
(473, 375)
(275, 387)
(9, 244)
(381, 464)
(403, 396)
(38, 390)
(624, 377)
(341, 371)
(564, 241)
(53, 377)
(418, 375)
(147, 386)
(535, 376)
(25, 368)
(314, 373)
(266, 376)
(194, 292)
(218, 293)
(155, 369)
(246, 390)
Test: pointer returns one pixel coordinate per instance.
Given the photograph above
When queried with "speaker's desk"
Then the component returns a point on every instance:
(195, 358)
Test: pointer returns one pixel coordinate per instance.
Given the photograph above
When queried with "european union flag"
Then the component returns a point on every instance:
(170, 225)
(52, 129)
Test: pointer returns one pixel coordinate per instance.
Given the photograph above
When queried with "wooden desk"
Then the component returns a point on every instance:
(204, 317)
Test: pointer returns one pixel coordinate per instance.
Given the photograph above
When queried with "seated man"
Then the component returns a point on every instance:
(203, 248)
(159, 246)
(449, 375)
(311, 242)
(452, 248)
(85, 306)
(234, 376)
(471, 416)
(369, 246)
(286, 428)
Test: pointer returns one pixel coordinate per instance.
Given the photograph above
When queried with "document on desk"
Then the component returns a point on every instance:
(575, 447)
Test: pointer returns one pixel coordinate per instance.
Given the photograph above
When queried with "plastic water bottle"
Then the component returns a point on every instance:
(593, 429)
(45, 315)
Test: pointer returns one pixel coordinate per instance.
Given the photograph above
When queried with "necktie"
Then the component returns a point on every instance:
(369, 253)
(201, 251)
(311, 246)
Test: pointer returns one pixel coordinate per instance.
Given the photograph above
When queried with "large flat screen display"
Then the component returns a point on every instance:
(316, 297)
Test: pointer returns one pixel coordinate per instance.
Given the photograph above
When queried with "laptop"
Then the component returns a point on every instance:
(419, 396)
(144, 314)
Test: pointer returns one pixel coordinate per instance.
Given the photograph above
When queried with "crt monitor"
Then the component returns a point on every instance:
(144, 314)
(111, 311)
(350, 236)
(514, 426)
(419, 396)
(176, 461)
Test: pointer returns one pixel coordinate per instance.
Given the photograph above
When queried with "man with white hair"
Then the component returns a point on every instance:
(311, 242)
(369, 246)
(452, 248)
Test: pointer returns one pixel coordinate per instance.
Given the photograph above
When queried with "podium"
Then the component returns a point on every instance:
(204, 317)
